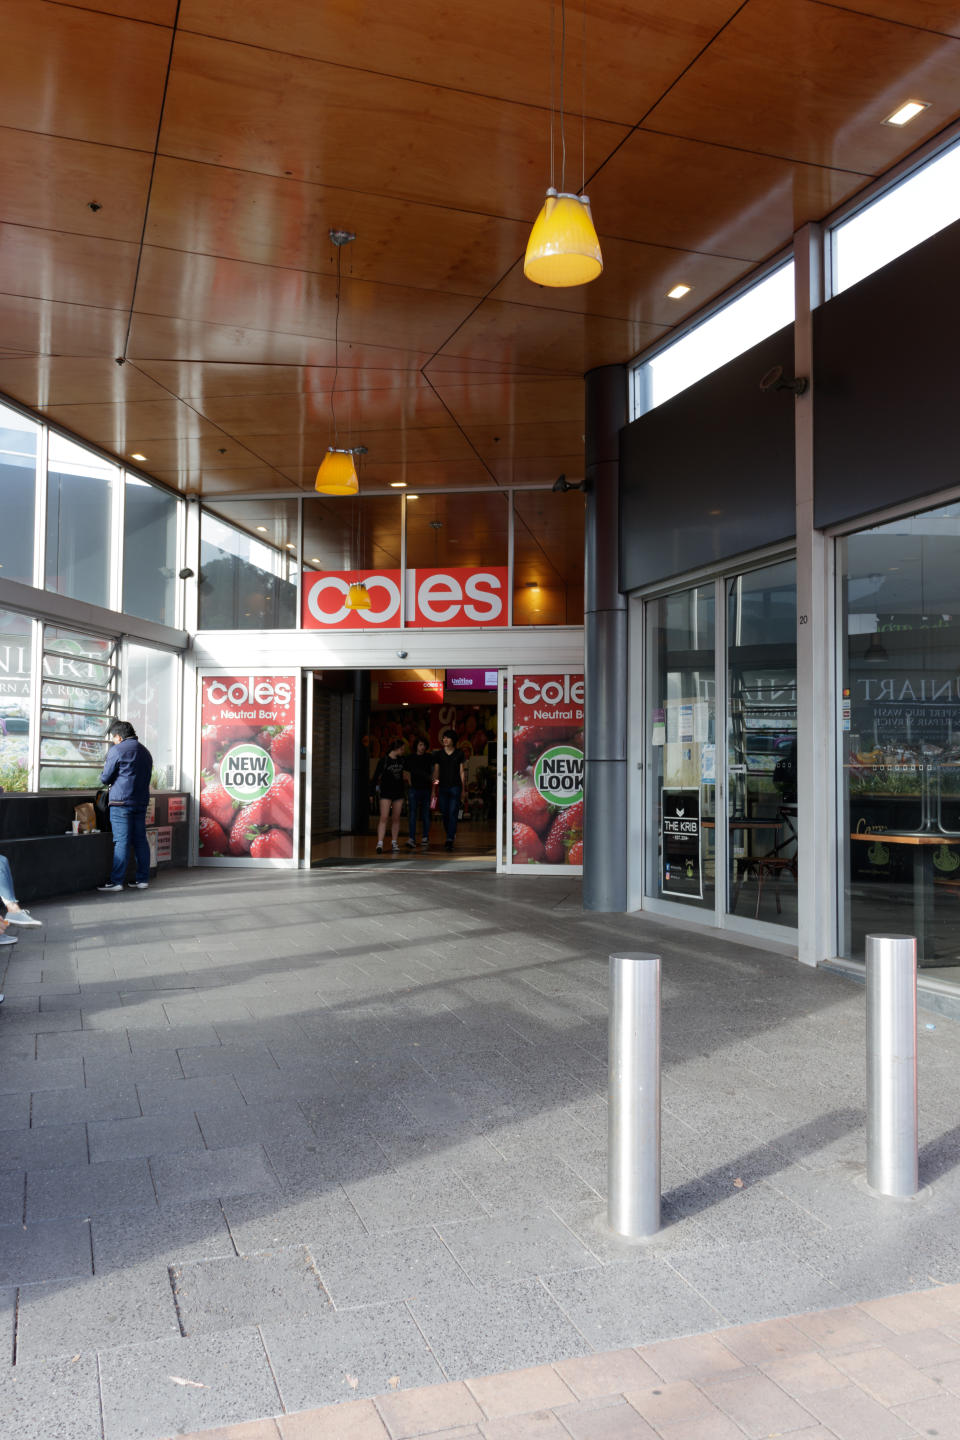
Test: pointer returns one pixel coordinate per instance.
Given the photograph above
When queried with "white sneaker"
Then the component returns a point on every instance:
(137, 884)
(9, 939)
(21, 917)
(395, 848)
(108, 886)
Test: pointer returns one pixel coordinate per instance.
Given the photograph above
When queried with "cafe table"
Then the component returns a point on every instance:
(923, 892)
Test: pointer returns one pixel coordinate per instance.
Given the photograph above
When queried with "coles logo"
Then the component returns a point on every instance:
(456, 597)
(249, 691)
(548, 699)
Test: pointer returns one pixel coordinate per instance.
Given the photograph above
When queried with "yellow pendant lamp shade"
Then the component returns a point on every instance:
(563, 248)
(337, 474)
(358, 597)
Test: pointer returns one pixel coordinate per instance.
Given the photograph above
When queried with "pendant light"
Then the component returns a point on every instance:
(563, 249)
(338, 471)
(358, 597)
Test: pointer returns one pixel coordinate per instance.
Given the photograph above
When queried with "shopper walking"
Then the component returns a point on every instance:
(420, 775)
(388, 782)
(450, 775)
(127, 771)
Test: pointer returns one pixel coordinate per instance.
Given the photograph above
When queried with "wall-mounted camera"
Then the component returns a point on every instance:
(186, 573)
(775, 379)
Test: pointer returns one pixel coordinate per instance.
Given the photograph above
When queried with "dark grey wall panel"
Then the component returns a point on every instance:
(887, 422)
(710, 473)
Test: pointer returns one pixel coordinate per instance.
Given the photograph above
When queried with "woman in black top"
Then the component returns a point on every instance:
(388, 780)
(449, 772)
(420, 775)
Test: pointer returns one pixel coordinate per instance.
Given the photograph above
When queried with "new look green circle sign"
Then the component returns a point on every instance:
(558, 775)
(246, 772)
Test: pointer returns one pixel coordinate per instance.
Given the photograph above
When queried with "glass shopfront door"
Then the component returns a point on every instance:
(900, 734)
(721, 820)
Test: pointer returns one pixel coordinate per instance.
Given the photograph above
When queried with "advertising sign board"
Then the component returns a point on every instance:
(547, 760)
(248, 761)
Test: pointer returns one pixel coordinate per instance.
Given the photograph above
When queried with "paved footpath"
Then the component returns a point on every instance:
(278, 1143)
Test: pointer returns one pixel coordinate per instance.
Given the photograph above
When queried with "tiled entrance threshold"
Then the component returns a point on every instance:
(881, 1370)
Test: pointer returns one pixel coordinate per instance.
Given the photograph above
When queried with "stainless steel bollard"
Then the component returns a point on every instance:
(633, 1203)
(892, 1064)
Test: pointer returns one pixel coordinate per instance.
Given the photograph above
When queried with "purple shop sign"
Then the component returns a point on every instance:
(472, 679)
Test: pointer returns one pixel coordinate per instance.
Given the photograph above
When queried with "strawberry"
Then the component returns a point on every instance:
(248, 825)
(210, 744)
(215, 802)
(529, 806)
(274, 845)
(282, 748)
(565, 831)
(527, 845)
(575, 853)
(279, 802)
(234, 730)
(213, 839)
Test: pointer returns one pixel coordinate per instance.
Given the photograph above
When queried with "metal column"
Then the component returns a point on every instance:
(633, 1203)
(892, 1064)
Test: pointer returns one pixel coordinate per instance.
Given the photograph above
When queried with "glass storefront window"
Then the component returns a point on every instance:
(19, 440)
(16, 677)
(351, 533)
(900, 734)
(151, 702)
(548, 557)
(681, 747)
(762, 744)
(78, 700)
(79, 522)
(449, 532)
(248, 566)
(149, 551)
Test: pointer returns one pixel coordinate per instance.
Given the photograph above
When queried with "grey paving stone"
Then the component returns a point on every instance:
(632, 1303)
(172, 1037)
(15, 1110)
(51, 1146)
(226, 1060)
(85, 1043)
(209, 1174)
(324, 1161)
(12, 1187)
(349, 1355)
(508, 1249)
(526, 1185)
(273, 1286)
(118, 1308)
(775, 1282)
(417, 1195)
(380, 1268)
(507, 1327)
(171, 1387)
(145, 1135)
(96, 1102)
(33, 1075)
(54, 1250)
(189, 1233)
(240, 1124)
(52, 1398)
(140, 1014)
(166, 1097)
(8, 1314)
(145, 1067)
(262, 1222)
(85, 1190)
(38, 1023)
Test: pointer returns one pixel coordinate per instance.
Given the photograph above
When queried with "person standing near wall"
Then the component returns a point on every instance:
(419, 772)
(127, 770)
(450, 776)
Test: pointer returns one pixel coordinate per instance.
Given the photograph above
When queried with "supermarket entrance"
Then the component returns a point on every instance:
(351, 720)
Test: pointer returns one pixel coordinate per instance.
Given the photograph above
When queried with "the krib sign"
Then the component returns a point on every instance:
(456, 597)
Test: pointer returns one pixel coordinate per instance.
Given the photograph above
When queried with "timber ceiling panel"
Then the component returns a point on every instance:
(166, 197)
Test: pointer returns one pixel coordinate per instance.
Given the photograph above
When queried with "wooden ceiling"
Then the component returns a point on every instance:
(170, 170)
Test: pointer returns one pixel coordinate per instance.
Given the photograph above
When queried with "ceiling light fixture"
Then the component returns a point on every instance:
(262, 529)
(358, 597)
(678, 292)
(135, 455)
(907, 112)
(398, 484)
(413, 497)
(338, 471)
(563, 249)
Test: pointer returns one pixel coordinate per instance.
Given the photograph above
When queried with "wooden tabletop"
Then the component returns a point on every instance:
(905, 839)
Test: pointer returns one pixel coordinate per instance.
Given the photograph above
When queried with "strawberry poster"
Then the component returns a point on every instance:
(547, 786)
(248, 754)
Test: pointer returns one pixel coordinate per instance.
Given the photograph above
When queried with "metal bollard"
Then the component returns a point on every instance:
(892, 1064)
(633, 1203)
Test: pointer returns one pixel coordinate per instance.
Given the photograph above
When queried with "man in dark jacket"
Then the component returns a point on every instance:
(127, 770)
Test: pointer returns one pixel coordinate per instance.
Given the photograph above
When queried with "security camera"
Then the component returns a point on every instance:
(401, 654)
(186, 573)
(775, 379)
(561, 485)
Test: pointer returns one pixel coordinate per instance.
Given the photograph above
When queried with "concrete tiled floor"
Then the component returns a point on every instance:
(278, 1143)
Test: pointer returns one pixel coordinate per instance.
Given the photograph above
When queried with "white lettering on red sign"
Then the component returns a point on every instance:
(559, 690)
(458, 596)
(249, 691)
